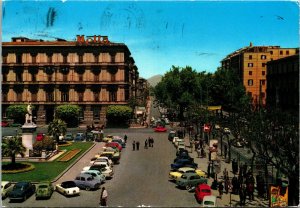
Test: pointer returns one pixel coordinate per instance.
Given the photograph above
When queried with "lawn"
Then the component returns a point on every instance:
(48, 171)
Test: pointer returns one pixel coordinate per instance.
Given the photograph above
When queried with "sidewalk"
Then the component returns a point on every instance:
(225, 201)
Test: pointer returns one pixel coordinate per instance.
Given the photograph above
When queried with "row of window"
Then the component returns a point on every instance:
(19, 59)
(251, 82)
(263, 73)
(251, 64)
(50, 78)
(64, 97)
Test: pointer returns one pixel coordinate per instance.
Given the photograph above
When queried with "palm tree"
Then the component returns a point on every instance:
(13, 146)
(56, 128)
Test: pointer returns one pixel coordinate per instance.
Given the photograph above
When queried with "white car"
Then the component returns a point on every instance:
(175, 139)
(96, 174)
(108, 172)
(209, 201)
(103, 159)
(180, 146)
(178, 141)
(68, 188)
(6, 187)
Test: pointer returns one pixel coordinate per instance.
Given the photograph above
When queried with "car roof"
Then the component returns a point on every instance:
(186, 168)
(91, 171)
(204, 185)
(210, 198)
(3, 183)
(84, 175)
(189, 174)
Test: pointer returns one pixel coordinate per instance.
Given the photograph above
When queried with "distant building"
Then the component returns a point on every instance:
(91, 72)
(283, 83)
(251, 64)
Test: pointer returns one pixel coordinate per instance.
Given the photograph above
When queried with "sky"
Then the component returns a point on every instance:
(160, 34)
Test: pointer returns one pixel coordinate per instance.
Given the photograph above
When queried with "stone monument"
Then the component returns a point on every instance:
(28, 130)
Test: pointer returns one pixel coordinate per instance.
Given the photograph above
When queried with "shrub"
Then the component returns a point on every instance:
(17, 167)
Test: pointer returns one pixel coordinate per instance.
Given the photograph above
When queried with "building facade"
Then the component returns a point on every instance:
(90, 72)
(251, 65)
(283, 84)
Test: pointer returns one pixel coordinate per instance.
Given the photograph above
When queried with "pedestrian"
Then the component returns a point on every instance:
(250, 186)
(137, 145)
(241, 194)
(152, 141)
(125, 138)
(201, 143)
(103, 197)
(133, 145)
(199, 151)
(196, 144)
(202, 153)
(220, 188)
(234, 182)
(226, 184)
(146, 144)
(225, 151)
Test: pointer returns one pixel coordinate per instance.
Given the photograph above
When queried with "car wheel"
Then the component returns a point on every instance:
(188, 187)
(87, 188)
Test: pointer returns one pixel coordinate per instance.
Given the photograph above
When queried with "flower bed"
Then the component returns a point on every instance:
(17, 168)
(69, 155)
(65, 144)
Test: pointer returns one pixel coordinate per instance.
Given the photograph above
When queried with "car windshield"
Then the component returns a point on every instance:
(43, 186)
(208, 203)
(19, 186)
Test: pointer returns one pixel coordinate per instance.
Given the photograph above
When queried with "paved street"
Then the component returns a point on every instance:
(141, 178)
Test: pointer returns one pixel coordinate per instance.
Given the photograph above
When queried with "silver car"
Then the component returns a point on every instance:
(87, 182)
(96, 174)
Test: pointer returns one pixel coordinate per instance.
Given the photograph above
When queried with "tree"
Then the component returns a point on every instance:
(46, 144)
(56, 128)
(12, 147)
(178, 89)
(68, 113)
(118, 114)
(17, 113)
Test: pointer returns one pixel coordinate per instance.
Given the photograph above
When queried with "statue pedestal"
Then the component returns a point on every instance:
(27, 136)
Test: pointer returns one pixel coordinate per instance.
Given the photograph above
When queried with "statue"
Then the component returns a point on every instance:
(28, 117)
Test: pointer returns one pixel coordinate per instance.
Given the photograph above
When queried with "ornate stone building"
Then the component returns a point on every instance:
(91, 72)
(251, 64)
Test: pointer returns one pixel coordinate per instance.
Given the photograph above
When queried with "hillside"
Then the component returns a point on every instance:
(154, 80)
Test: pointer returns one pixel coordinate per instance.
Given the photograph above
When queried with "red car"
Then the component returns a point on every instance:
(160, 129)
(40, 137)
(201, 191)
(4, 124)
(114, 144)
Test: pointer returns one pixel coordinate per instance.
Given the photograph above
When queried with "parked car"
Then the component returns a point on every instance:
(69, 136)
(182, 152)
(102, 159)
(180, 146)
(114, 144)
(4, 124)
(44, 190)
(68, 188)
(102, 163)
(21, 191)
(177, 141)
(79, 137)
(201, 191)
(40, 137)
(185, 157)
(6, 188)
(108, 138)
(171, 135)
(160, 129)
(89, 136)
(190, 180)
(87, 182)
(96, 174)
(108, 172)
(174, 175)
(209, 201)
(120, 141)
(183, 163)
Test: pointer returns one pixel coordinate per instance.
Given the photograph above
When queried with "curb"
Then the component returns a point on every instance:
(70, 166)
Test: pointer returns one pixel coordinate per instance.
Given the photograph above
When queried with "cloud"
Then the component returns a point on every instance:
(198, 53)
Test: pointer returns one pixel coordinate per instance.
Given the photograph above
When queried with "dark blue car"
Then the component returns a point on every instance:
(183, 163)
(22, 191)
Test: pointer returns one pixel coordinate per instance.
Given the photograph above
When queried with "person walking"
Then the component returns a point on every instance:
(220, 188)
(125, 138)
(146, 144)
(225, 151)
(137, 145)
(152, 141)
(133, 145)
(199, 151)
(103, 197)
(241, 194)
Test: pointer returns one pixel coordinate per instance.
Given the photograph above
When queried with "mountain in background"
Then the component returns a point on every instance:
(154, 80)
